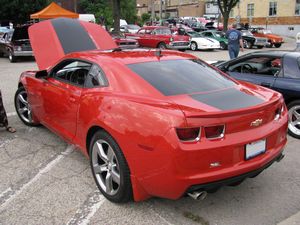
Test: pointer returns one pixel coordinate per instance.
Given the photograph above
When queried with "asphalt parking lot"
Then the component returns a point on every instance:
(43, 180)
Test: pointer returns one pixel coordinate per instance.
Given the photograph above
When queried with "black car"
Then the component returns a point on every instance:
(250, 41)
(278, 70)
(15, 44)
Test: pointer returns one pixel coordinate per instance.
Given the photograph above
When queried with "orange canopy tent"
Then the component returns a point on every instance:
(53, 11)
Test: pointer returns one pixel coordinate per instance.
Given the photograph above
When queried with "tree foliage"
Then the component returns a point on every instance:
(18, 11)
(104, 8)
(145, 17)
(225, 7)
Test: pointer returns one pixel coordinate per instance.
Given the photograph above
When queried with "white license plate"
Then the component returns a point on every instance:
(255, 148)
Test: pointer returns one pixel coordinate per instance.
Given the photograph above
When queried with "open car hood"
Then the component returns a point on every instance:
(53, 39)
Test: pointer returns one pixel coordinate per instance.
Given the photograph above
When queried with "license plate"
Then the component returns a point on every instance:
(255, 148)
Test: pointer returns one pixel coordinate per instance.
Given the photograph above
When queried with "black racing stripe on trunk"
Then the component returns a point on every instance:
(228, 99)
(72, 36)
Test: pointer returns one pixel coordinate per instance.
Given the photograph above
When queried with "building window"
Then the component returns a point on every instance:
(273, 9)
(297, 9)
(231, 14)
(250, 10)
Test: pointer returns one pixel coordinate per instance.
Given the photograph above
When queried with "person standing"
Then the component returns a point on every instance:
(3, 117)
(234, 42)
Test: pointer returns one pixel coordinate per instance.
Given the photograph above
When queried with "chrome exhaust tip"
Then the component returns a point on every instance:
(198, 195)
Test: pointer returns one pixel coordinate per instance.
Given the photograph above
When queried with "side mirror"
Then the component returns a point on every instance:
(41, 74)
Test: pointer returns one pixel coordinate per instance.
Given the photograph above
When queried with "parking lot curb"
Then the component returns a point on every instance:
(292, 220)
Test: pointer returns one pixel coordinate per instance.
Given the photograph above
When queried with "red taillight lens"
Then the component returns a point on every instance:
(188, 134)
(214, 132)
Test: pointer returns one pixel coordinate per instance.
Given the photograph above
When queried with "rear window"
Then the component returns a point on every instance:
(175, 77)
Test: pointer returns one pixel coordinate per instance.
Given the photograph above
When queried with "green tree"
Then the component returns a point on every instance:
(18, 11)
(145, 17)
(225, 7)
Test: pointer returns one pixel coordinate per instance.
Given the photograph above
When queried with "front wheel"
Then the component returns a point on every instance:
(277, 45)
(109, 168)
(162, 45)
(248, 44)
(23, 107)
(223, 46)
(11, 57)
(260, 47)
(294, 119)
(194, 46)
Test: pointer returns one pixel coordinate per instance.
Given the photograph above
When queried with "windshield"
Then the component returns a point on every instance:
(191, 76)
(267, 32)
(220, 34)
(133, 27)
(20, 33)
(194, 34)
(246, 33)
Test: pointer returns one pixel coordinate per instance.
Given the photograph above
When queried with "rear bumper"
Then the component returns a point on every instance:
(213, 186)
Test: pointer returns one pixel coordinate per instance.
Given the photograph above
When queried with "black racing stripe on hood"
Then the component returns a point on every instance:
(72, 36)
(228, 99)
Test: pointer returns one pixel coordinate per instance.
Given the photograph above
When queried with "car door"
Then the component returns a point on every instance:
(61, 96)
(255, 69)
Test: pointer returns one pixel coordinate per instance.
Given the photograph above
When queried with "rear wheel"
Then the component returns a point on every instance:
(194, 46)
(294, 119)
(277, 45)
(23, 107)
(109, 168)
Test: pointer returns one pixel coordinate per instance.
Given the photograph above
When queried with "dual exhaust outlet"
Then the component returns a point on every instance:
(197, 195)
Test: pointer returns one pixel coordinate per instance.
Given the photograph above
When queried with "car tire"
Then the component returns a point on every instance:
(11, 57)
(260, 47)
(194, 46)
(277, 45)
(294, 116)
(109, 167)
(162, 45)
(248, 44)
(23, 108)
(1, 54)
(223, 46)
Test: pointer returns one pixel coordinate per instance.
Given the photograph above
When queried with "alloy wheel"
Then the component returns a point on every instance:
(23, 107)
(106, 167)
(294, 119)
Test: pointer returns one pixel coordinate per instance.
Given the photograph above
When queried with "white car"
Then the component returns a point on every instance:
(130, 28)
(202, 43)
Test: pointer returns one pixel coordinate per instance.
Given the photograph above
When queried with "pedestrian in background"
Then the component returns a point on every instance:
(3, 117)
(234, 42)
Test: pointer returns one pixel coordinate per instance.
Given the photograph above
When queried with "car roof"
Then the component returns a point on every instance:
(130, 56)
(154, 27)
(277, 53)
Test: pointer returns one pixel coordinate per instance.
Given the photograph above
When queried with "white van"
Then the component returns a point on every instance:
(87, 17)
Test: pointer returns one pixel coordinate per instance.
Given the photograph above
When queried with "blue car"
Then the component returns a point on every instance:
(278, 70)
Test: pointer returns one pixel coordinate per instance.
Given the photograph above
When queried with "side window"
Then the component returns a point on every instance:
(96, 78)
(207, 34)
(73, 72)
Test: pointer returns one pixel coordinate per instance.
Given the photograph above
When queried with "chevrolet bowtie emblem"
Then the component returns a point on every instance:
(256, 123)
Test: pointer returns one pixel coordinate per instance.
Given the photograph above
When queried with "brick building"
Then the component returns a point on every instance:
(172, 8)
(281, 16)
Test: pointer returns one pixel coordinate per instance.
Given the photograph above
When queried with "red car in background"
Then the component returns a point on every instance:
(152, 123)
(273, 39)
(160, 37)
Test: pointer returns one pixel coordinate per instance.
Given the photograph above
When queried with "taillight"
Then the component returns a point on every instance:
(279, 112)
(188, 134)
(214, 132)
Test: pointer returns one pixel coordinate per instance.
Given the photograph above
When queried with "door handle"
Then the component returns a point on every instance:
(265, 84)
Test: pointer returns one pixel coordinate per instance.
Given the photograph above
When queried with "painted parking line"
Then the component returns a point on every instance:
(11, 193)
(88, 209)
(10, 114)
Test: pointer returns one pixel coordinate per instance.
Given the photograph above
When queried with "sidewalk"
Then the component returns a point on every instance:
(293, 220)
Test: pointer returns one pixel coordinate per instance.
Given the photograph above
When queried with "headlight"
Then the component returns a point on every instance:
(17, 48)
(171, 39)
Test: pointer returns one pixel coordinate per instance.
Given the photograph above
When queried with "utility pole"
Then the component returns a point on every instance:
(75, 5)
(160, 9)
(152, 11)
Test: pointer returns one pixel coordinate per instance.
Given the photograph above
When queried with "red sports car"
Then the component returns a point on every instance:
(152, 122)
